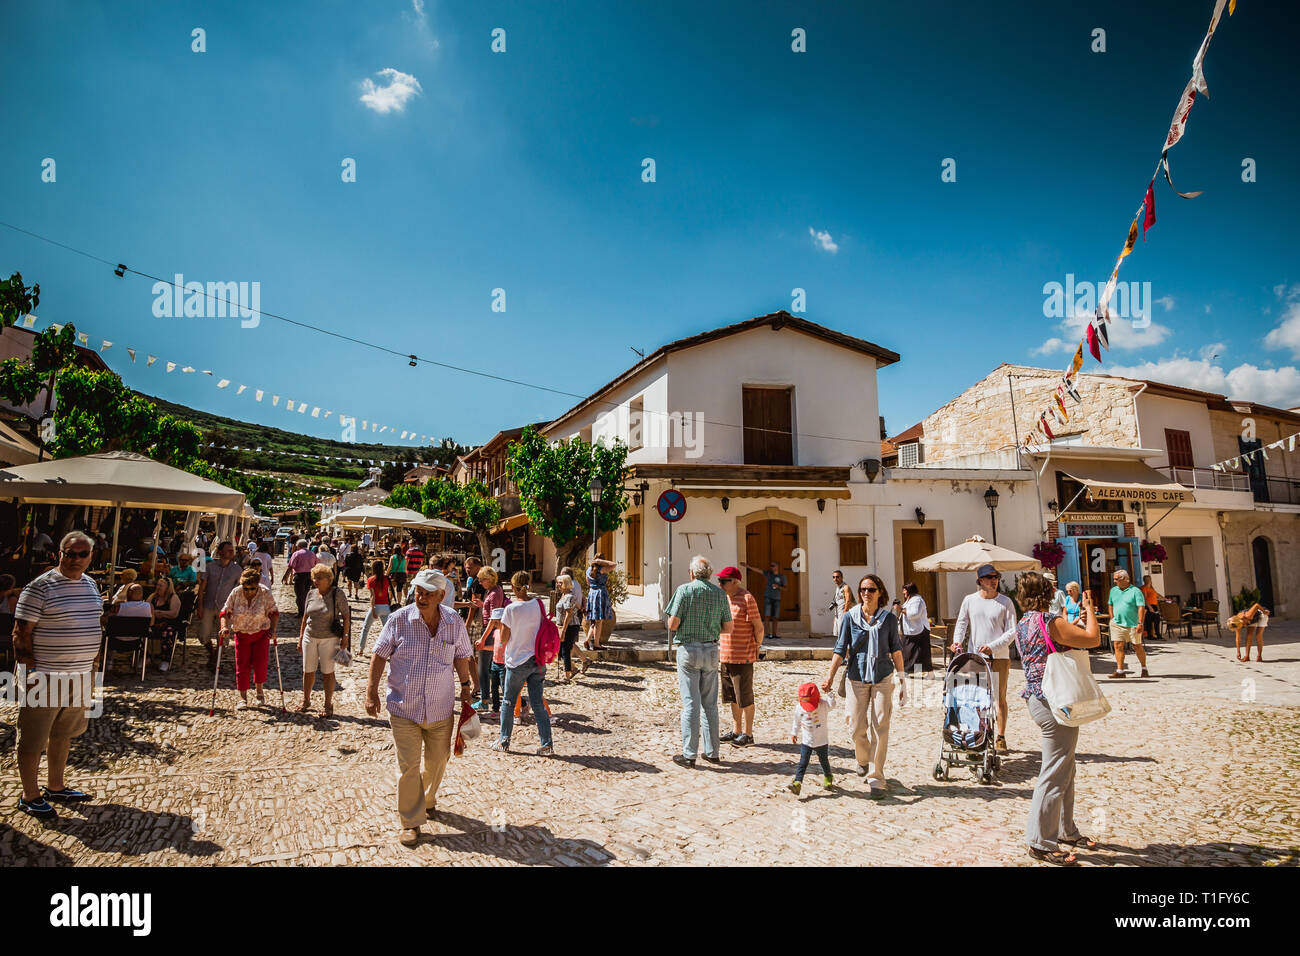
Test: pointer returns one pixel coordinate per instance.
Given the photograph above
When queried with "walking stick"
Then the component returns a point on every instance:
(278, 676)
(215, 674)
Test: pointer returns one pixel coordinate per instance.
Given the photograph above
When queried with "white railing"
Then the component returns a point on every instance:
(1207, 479)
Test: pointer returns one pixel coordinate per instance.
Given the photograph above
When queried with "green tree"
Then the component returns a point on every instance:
(16, 299)
(405, 496)
(96, 412)
(553, 481)
(390, 476)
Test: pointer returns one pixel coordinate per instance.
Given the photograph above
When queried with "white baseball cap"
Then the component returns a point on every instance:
(431, 579)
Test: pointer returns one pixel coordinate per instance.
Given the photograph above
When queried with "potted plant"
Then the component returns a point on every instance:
(1049, 554)
(1153, 551)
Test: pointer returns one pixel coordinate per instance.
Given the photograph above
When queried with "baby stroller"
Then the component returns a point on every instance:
(968, 719)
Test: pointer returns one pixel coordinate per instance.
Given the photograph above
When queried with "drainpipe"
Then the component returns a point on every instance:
(1137, 422)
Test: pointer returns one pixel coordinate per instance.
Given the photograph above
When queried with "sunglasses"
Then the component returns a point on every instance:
(867, 590)
(76, 554)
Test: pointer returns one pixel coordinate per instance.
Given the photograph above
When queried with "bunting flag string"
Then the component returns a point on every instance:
(1247, 457)
(296, 454)
(291, 405)
(1096, 335)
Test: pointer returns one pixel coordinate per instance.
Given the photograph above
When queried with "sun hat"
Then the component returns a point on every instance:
(430, 579)
(809, 696)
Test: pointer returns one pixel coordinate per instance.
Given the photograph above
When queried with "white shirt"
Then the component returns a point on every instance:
(1058, 603)
(265, 560)
(523, 618)
(915, 617)
(982, 621)
(135, 609)
(812, 727)
(325, 558)
(366, 540)
(344, 548)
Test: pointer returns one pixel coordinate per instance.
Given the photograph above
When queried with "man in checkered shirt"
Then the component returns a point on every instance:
(424, 645)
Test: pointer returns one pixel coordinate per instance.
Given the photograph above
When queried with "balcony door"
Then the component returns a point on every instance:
(768, 420)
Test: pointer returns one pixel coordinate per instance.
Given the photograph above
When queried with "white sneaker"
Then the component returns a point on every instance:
(497, 745)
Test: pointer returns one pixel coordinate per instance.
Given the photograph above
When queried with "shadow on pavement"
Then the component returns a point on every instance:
(607, 762)
(533, 845)
(130, 831)
(1201, 854)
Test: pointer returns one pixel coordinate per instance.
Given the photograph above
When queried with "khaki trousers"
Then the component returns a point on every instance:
(869, 709)
(417, 792)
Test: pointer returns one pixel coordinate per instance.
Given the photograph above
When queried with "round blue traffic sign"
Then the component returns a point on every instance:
(672, 505)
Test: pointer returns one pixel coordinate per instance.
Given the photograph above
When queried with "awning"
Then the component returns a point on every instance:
(758, 489)
(1126, 481)
(509, 524)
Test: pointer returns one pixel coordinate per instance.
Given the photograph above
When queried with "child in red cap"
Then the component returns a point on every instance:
(811, 729)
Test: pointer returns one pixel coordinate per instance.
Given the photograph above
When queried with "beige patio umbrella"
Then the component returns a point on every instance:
(974, 552)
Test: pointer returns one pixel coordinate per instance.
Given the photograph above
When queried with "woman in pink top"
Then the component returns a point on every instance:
(251, 615)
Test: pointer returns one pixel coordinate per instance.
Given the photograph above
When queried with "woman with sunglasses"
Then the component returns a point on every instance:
(251, 615)
(870, 647)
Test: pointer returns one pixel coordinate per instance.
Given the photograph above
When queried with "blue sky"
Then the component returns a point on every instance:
(522, 171)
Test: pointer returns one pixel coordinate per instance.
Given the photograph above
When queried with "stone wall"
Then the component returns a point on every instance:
(980, 418)
(1283, 531)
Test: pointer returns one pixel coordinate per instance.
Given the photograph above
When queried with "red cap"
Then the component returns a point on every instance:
(729, 572)
(809, 696)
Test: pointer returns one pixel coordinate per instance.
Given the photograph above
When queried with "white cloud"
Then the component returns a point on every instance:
(1207, 308)
(1167, 301)
(1287, 335)
(421, 21)
(1122, 335)
(824, 240)
(384, 99)
(1210, 352)
(1279, 387)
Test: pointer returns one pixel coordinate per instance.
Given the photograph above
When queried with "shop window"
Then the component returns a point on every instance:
(853, 550)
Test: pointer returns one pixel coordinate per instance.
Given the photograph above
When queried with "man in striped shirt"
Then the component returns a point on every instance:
(738, 650)
(57, 635)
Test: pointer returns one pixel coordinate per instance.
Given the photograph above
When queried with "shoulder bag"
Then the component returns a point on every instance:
(1072, 693)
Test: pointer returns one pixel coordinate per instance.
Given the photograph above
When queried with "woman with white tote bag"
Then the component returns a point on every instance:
(1051, 814)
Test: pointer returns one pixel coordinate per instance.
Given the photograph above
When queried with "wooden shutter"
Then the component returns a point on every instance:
(768, 420)
(632, 526)
(1178, 444)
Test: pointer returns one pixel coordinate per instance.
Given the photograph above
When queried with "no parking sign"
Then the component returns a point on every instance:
(672, 505)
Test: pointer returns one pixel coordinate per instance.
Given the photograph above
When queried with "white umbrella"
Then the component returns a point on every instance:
(377, 516)
(974, 552)
(436, 524)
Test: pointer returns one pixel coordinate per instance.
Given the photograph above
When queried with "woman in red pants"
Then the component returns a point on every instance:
(251, 615)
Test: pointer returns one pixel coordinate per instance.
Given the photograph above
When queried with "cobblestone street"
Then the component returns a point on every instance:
(1187, 769)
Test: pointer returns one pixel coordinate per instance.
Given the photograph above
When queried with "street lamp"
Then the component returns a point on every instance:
(594, 489)
(991, 499)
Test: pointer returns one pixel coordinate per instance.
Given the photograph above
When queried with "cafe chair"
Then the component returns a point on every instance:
(126, 634)
(1208, 614)
(1174, 618)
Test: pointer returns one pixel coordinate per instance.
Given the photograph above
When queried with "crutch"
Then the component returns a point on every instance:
(275, 642)
(221, 643)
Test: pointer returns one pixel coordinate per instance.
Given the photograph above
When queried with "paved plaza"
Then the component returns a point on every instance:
(1200, 764)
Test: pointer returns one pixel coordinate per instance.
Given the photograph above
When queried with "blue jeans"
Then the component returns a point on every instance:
(529, 673)
(697, 678)
(377, 612)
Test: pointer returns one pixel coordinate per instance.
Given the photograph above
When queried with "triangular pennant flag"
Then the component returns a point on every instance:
(1150, 204)
(327, 415)
(150, 360)
(1046, 429)
(1072, 392)
(107, 345)
(1078, 361)
(1093, 346)
(1235, 464)
(302, 407)
(240, 391)
(1061, 405)
(1132, 239)
(131, 352)
(29, 321)
(83, 338)
(206, 372)
(1276, 444)
(1103, 335)
(275, 399)
(223, 383)
(315, 411)
(363, 424)
(1179, 123)
(288, 403)
(1291, 443)
(170, 366)
(258, 394)
(1217, 467)
(188, 368)
(1192, 195)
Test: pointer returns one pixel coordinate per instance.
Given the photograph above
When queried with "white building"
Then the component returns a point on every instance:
(770, 430)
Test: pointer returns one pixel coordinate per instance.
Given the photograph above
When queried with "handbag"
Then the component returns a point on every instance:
(1073, 694)
(336, 625)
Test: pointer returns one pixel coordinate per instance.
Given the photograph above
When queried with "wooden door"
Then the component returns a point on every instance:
(765, 542)
(917, 544)
(768, 425)
(632, 528)
(1114, 555)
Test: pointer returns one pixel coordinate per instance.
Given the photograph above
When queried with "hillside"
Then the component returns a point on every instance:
(280, 449)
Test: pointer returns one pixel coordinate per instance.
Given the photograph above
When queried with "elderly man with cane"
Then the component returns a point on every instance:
(427, 644)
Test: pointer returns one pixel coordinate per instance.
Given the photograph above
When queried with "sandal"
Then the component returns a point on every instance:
(1088, 843)
(1054, 857)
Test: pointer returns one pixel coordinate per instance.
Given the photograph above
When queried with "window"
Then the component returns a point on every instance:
(909, 454)
(1071, 497)
(1178, 445)
(632, 527)
(768, 425)
(636, 423)
(853, 550)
